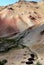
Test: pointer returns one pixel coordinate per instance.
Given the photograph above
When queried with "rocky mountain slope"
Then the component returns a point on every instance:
(22, 23)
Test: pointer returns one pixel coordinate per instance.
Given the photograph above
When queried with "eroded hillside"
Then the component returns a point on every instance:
(21, 24)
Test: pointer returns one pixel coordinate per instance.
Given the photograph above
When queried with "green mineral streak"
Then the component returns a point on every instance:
(7, 44)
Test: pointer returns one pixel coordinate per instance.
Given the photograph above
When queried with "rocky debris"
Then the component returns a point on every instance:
(10, 8)
(32, 55)
(32, 18)
(30, 62)
(31, 59)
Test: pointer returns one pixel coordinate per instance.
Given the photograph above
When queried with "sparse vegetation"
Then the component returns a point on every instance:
(38, 63)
